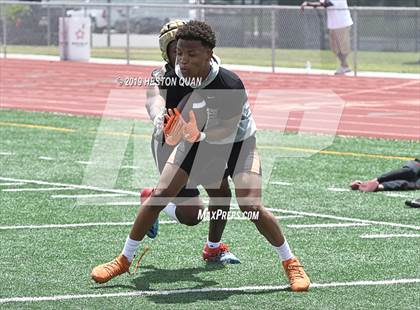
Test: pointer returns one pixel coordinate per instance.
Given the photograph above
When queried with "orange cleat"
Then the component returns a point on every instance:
(105, 272)
(298, 279)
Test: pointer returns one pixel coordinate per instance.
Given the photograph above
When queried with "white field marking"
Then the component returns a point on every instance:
(288, 217)
(84, 162)
(94, 188)
(203, 290)
(397, 195)
(320, 215)
(331, 225)
(130, 167)
(65, 225)
(121, 203)
(75, 225)
(39, 189)
(6, 153)
(385, 236)
(281, 183)
(337, 189)
(348, 219)
(87, 196)
(12, 183)
(45, 158)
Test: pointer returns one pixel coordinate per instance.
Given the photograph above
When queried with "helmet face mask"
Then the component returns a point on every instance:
(167, 35)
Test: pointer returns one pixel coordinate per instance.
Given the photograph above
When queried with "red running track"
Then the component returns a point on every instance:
(373, 107)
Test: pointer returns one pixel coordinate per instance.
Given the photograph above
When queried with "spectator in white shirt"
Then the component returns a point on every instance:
(339, 24)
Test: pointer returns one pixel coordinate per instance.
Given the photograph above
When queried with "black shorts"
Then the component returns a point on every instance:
(209, 163)
(161, 153)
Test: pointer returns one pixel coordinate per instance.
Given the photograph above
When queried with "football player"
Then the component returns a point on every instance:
(226, 140)
(189, 205)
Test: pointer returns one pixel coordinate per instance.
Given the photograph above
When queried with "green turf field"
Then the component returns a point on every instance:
(42, 151)
(402, 62)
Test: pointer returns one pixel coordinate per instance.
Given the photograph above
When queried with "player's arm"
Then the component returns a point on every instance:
(155, 104)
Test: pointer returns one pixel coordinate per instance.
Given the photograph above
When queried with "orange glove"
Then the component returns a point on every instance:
(191, 132)
(173, 128)
(169, 121)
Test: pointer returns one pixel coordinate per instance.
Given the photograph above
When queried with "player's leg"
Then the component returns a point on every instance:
(144, 194)
(219, 204)
(245, 167)
(248, 194)
(219, 199)
(170, 183)
(187, 212)
(185, 209)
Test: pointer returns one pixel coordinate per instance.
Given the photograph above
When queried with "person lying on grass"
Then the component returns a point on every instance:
(405, 178)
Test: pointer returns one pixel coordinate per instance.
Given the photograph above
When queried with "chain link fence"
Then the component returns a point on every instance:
(383, 39)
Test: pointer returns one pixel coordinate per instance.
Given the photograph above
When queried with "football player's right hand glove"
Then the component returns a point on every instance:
(191, 132)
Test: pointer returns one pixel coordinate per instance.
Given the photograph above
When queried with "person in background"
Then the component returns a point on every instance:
(405, 178)
(339, 24)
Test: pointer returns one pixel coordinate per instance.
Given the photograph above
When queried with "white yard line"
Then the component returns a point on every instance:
(76, 225)
(281, 183)
(386, 236)
(320, 215)
(6, 153)
(39, 189)
(45, 158)
(398, 195)
(12, 183)
(84, 162)
(87, 196)
(288, 217)
(130, 167)
(203, 290)
(348, 219)
(337, 189)
(121, 203)
(94, 188)
(331, 225)
(47, 226)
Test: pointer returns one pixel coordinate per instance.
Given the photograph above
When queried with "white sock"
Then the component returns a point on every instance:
(213, 245)
(170, 211)
(284, 251)
(130, 248)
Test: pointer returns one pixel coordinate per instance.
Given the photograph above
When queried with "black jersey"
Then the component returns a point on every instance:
(222, 99)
